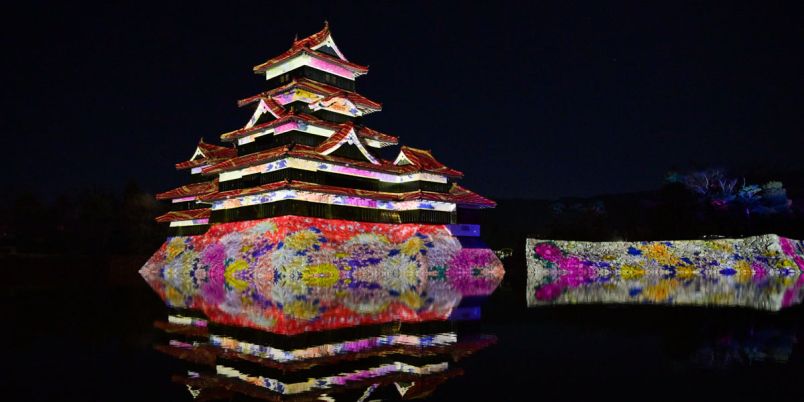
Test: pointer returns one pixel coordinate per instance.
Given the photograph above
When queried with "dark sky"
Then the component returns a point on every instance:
(528, 99)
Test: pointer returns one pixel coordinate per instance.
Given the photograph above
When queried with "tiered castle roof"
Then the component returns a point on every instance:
(206, 154)
(319, 47)
(305, 151)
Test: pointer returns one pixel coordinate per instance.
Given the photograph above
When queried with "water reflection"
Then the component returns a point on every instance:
(757, 346)
(762, 272)
(304, 309)
(385, 361)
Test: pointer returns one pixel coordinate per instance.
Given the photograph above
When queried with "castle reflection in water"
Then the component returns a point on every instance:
(302, 308)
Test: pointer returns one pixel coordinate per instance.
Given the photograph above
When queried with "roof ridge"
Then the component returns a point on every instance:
(317, 37)
(293, 51)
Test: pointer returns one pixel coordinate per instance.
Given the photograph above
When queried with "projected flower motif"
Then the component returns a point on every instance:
(180, 272)
(289, 275)
(262, 228)
(685, 272)
(761, 272)
(261, 320)
(397, 274)
(320, 275)
(294, 274)
(631, 271)
(175, 298)
(660, 291)
(365, 300)
(548, 251)
(474, 271)
(304, 240)
(175, 247)
(793, 249)
(264, 276)
(236, 275)
(411, 299)
(368, 239)
(659, 252)
(743, 271)
(417, 244)
(443, 251)
(301, 309)
(232, 244)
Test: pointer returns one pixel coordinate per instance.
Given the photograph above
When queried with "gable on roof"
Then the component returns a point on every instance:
(375, 138)
(328, 46)
(318, 51)
(267, 110)
(321, 41)
(204, 151)
(423, 160)
(216, 151)
(194, 189)
(330, 50)
(198, 154)
(402, 160)
(345, 136)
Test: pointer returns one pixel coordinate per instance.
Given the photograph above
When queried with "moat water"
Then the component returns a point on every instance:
(96, 343)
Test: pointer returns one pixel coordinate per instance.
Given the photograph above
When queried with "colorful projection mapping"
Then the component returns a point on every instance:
(280, 307)
(413, 366)
(763, 272)
(293, 274)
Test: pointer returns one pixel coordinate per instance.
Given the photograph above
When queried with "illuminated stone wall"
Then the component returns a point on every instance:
(760, 272)
(294, 274)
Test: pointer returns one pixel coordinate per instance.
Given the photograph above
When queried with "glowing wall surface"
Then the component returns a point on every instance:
(294, 274)
(763, 272)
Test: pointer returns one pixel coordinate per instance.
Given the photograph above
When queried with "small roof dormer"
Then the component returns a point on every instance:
(345, 136)
(423, 160)
(207, 154)
(267, 110)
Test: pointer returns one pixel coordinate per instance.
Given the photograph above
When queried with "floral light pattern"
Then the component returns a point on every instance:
(293, 274)
(763, 272)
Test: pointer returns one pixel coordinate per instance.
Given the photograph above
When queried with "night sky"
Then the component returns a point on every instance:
(529, 100)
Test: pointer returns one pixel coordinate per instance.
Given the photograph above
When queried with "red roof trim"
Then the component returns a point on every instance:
(312, 86)
(457, 194)
(424, 160)
(187, 215)
(310, 153)
(211, 154)
(467, 197)
(314, 39)
(338, 139)
(335, 139)
(212, 150)
(366, 132)
(357, 68)
(355, 98)
(275, 108)
(242, 132)
(247, 160)
(198, 162)
(206, 187)
(264, 188)
(301, 82)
